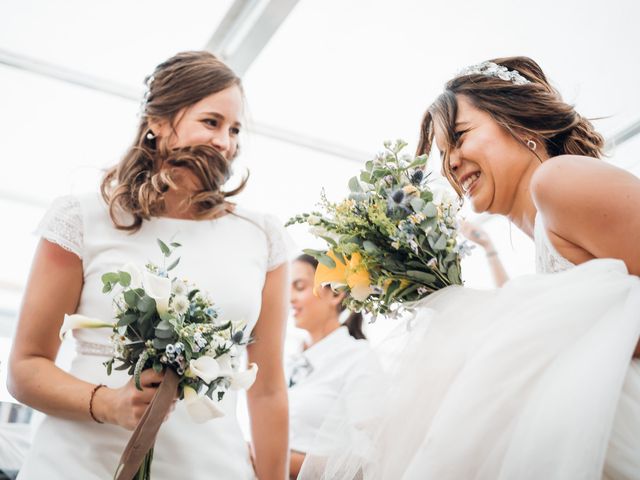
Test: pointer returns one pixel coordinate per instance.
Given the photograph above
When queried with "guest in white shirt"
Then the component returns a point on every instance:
(327, 365)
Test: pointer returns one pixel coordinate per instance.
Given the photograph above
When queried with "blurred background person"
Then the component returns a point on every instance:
(477, 235)
(327, 365)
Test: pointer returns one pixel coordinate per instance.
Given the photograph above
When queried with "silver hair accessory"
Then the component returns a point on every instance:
(490, 69)
(532, 145)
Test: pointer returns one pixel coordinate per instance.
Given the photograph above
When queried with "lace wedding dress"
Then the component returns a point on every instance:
(531, 381)
(229, 258)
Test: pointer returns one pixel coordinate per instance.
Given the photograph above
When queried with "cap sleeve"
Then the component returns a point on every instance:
(62, 225)
(279, 242)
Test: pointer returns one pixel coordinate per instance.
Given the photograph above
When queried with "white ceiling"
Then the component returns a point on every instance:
(346, 73)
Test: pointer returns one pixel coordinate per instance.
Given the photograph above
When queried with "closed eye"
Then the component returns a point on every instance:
(457, 136)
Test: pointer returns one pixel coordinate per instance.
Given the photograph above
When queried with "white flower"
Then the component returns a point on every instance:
(226, 365)
(134, 272)
(180, 304)
(238, 324)
(313, 220)
(445, 197)
(207, 368)
(158, 288)
(179, 287)
(72, 322)
(244, 380)
(200, 407)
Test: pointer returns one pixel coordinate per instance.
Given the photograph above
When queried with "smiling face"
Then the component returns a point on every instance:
(485, 160)
(214, 120)
(311, 312)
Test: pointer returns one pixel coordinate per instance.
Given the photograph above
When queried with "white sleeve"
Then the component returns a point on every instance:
(280, 243)
(62, 225)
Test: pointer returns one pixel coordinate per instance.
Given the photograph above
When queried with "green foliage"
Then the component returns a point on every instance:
(406, 239)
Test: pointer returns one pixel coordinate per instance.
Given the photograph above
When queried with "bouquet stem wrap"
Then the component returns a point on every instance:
(144, 436)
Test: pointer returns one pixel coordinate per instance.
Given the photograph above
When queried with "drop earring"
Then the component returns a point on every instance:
(150, 135)
(532, 145)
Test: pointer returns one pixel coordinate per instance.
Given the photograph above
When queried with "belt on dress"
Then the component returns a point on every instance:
(90, 348)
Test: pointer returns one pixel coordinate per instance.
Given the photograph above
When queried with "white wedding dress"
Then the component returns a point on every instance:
(531, 381)
(227, 257)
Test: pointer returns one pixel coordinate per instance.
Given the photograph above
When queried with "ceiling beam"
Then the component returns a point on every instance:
(127, 92)
(247, 29)
(622, 135)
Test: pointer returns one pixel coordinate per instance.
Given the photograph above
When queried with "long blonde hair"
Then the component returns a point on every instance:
(137, 185)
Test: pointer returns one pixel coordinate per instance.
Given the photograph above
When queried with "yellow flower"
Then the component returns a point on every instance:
(358, 278)
(325, 275)
(353, 274)
(409, 189)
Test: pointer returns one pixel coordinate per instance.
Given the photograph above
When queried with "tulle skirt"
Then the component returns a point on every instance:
(531, 381)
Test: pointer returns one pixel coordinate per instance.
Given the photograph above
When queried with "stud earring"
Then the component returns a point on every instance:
(532, 145)
(150, 135)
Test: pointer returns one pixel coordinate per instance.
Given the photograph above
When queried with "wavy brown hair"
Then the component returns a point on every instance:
(137, 184)
(533, 110)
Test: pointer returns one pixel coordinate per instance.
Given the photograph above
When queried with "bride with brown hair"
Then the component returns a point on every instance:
(168, 185)
(537, 379)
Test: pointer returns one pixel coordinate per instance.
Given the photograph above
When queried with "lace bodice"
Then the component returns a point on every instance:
(548, 260)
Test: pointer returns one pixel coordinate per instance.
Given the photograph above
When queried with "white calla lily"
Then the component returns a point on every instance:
(158, 288)
(134, 273)
(226, 365)
(207, 368)
(200, 407)
(72, 322)
(244, 380)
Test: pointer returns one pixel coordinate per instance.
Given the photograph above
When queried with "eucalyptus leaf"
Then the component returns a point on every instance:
(354, 185)
(329, 240)
(430, 210)
(327, 261)
(175, 244)
(146, 304)
(421, 276)
(161, 343)
(109, 365)
(370, 246)
(441, 244)
(174, 264)
(417, 204)
(127, 319)
(453, 274)
(166, 251)
(124, 278)
(131, 298)
(110, 277)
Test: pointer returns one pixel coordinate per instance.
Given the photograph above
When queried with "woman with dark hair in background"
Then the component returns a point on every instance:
(326, 367)
(168, 185)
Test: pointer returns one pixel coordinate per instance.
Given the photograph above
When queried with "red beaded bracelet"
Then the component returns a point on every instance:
(93, 394)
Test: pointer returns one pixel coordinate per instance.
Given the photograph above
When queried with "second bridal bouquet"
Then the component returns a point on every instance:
(169, 324)
(393, 241)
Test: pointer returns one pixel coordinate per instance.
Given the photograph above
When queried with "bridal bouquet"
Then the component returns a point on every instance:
(169, 324)
(392, 241)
